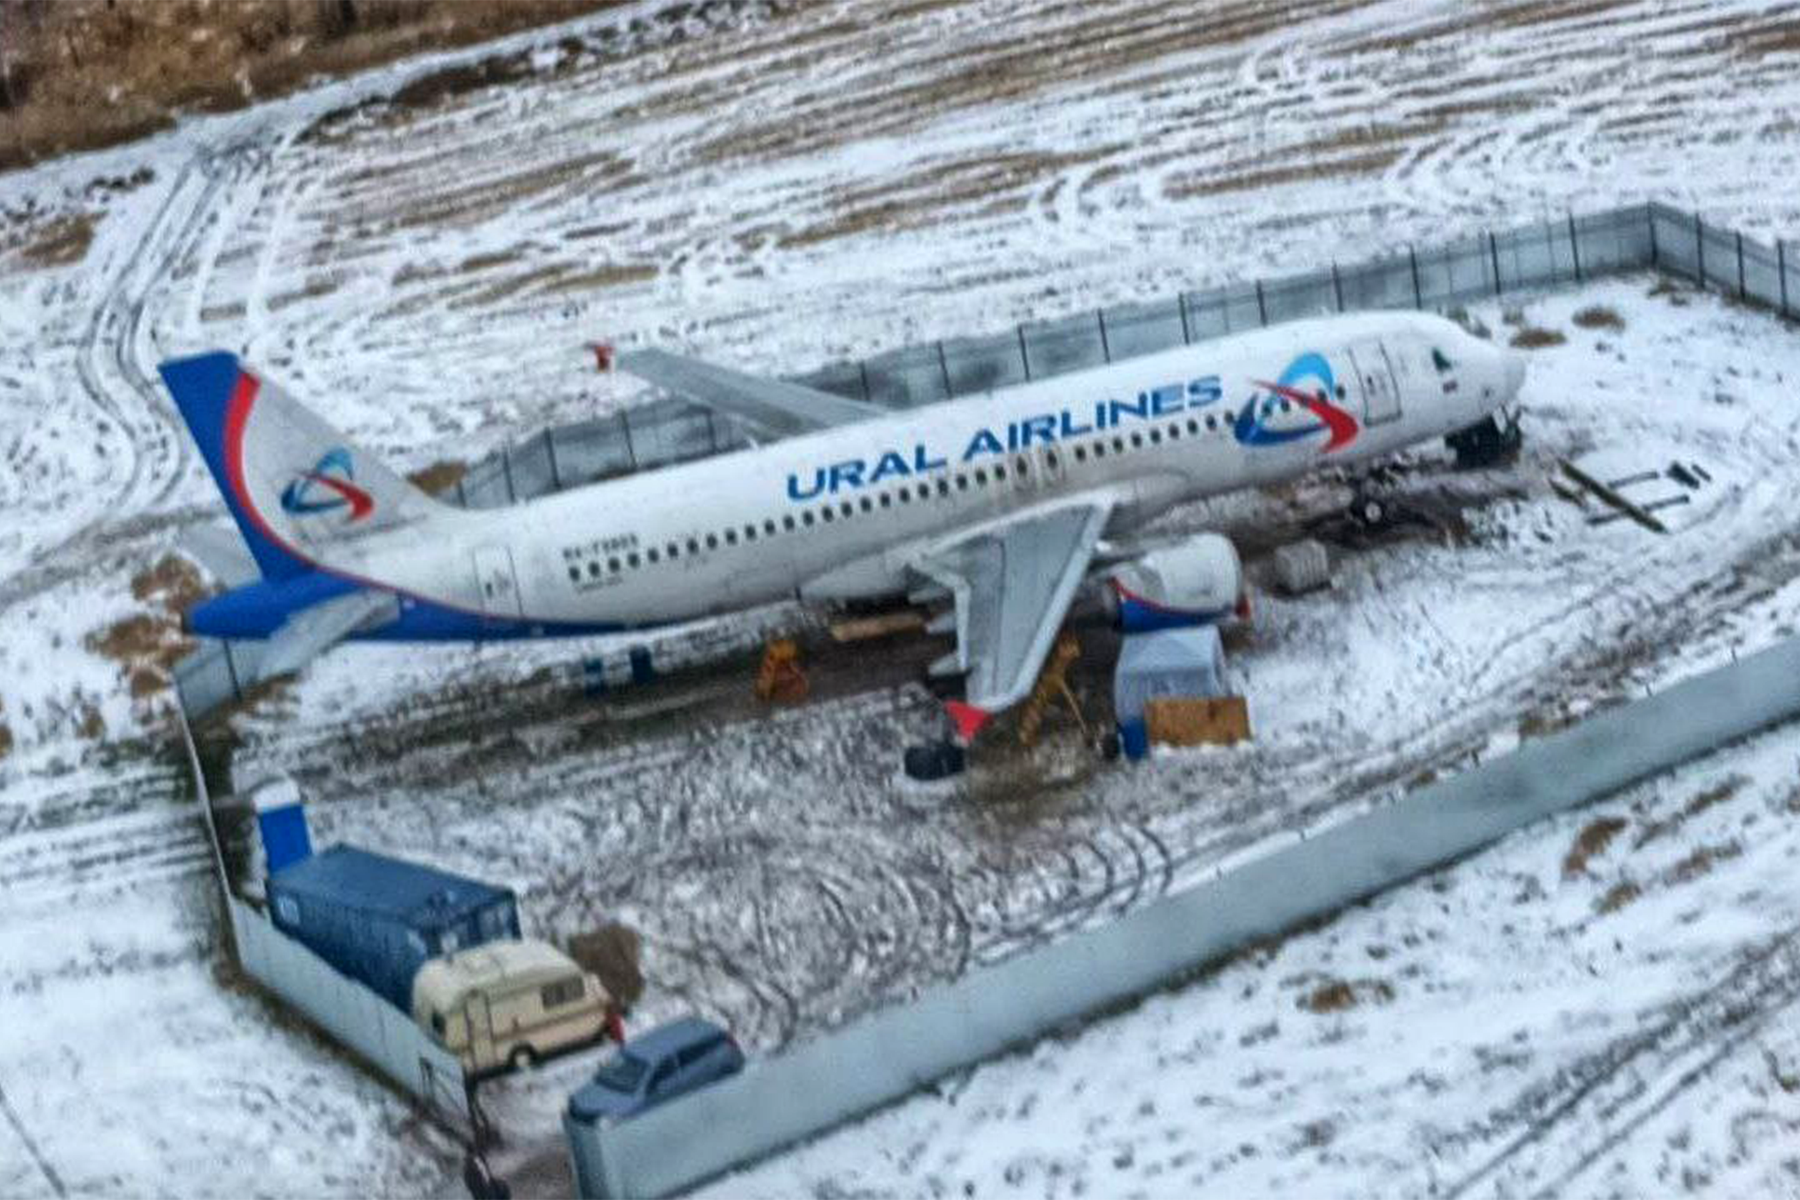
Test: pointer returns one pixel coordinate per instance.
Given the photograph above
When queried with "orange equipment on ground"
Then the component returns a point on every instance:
(781, 681)
(1051, 685)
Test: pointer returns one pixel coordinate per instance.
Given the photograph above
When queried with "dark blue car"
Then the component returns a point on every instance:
(669, 1061)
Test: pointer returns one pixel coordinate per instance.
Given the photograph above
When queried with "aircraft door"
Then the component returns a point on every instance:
(1375, 380)
(496, 584)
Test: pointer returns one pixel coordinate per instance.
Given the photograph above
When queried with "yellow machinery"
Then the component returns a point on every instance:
(781, 681)
(1052, 685)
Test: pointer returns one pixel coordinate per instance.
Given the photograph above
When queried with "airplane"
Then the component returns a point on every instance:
(1002, 503)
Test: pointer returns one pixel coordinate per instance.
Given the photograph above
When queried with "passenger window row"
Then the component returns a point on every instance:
(1096, 446)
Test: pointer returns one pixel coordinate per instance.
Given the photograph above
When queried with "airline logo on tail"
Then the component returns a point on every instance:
(1308, 368)
(329, 487)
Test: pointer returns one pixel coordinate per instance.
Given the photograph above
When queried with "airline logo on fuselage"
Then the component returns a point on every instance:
(1048, 428)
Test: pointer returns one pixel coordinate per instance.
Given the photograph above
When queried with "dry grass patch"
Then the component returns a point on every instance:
(60, 241)
(440, 476)
(1533, 338)
(1598, 316)
(90, 73)
(1591, 842)
(1617, 897)
(1701, 861)
(1338, 995)
(147, 645)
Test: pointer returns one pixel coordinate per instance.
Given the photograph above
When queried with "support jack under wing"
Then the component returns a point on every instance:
(770, 409)
(1012, 581)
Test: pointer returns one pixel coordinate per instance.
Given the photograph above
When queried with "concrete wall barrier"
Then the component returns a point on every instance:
(882, 1058)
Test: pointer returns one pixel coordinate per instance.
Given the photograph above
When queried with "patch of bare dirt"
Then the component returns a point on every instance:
(1591, 842)
(439, 476)
(1339, 995)
(1598, 316)
(147, 645)
(82, 74)
(1617, 897)
(60, 241)
(1534, 338)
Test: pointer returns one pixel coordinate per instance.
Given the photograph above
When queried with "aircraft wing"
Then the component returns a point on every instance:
(772, 407)
(1012, 581)
(312, 631)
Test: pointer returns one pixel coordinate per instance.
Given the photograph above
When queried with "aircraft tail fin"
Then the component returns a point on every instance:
(300, 493)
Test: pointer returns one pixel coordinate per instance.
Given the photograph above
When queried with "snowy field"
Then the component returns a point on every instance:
(779, 185)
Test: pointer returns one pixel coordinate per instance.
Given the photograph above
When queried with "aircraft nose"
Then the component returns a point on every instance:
(1514, 363)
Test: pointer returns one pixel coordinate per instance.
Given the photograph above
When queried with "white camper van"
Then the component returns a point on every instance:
(508, 1003)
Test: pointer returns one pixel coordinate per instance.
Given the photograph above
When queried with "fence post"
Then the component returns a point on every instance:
(1337, 287)
(550, 453)
(1105, 350)
(1650, 219)
(1187, 338)
(1024, 354)
(1781, 270)
(1700, 249)
(944, 366)
(1412, 255)
(1740, 254)
(1494, 257)
(512, 497)
(1574, 247)
(1262, 311)
(630, 450)
(862, 369)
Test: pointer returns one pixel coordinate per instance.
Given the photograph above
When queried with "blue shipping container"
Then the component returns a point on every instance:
(377, 919)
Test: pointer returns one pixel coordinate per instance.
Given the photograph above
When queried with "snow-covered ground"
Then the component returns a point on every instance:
(779, 185)
(1606, 1004)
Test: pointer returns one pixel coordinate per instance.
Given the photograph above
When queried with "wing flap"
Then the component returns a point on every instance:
(772, 407)
(1012, 583)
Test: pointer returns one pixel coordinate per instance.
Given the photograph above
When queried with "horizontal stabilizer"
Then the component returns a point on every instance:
(221, 553)
(772, 407)
(312, 631)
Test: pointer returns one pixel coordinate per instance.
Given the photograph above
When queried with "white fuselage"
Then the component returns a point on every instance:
(839, 514)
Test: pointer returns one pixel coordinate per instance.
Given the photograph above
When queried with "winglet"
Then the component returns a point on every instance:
(967, 718)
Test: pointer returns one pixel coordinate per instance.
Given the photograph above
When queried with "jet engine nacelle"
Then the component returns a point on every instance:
(1195, 583)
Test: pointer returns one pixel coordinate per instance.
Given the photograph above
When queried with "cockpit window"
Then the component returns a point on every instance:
(1439, 361)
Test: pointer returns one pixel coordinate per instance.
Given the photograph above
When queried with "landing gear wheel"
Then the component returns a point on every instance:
(1369, 511)
(1489, 442)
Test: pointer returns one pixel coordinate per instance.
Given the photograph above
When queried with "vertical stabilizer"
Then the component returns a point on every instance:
(300, 493)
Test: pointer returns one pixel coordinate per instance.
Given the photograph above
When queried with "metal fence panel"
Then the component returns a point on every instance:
(593, 450)
(1058, 347)
(1721, 262)
(485, 485)
(1788, 259)
(1455, 273)
(1134, 329)
(908, 377)
(1379, 283)
(1298, 296)
(821, 1083)
(982, 364)
(352, 1014)
(216, 675)
(1677, 248)
(1762, 279)
(840, 379)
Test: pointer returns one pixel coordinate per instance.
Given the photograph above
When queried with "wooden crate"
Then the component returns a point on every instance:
(1197, 720)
